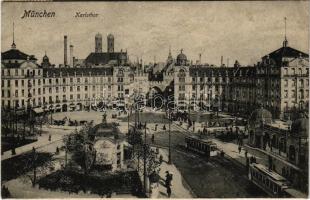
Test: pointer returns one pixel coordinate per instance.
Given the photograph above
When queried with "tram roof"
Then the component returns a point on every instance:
(200, 139)
(272, 174)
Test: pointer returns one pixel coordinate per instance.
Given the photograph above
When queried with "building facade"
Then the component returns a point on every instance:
(279, 82)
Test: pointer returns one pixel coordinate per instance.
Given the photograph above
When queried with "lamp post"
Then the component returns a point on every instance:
(51, 110)
(144, 162)
(169, 119)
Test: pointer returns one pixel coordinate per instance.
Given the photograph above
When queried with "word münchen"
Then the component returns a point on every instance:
(33, 13)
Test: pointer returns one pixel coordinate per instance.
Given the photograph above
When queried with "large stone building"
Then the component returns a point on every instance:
(279, 82)
(284, 145)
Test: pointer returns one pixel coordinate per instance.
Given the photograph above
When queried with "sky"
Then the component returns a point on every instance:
(243, 31)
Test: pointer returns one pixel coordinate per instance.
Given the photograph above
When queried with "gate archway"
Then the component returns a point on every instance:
(155, 98)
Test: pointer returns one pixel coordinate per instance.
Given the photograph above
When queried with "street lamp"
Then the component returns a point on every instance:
(169, 119)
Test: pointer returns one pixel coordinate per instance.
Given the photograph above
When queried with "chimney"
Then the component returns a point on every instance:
(65, 51)
(71, 56)
(221, 61)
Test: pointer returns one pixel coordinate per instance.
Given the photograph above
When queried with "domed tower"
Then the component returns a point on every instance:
(181, 58)
(110, 43)
(98, 43)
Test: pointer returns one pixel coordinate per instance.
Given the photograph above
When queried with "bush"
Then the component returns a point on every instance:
(97, 182)
(16, 166)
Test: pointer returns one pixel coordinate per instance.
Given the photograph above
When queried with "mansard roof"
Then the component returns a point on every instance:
(77, 71)
(23, 64)
(105, 57)
(16, 54)
(222, 71)
(11, 65)
(285, 52)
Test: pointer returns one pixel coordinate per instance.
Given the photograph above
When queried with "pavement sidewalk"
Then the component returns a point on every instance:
(56, 133)
(179, 187)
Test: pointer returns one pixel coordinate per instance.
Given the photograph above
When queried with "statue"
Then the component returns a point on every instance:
(104, 118)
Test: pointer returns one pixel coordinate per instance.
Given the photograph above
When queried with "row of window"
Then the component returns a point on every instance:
(18, 83)
(78, 80)
(293, 94)
(266, 182)
(301, 82)
(50, 90)
(17, 72)
(293, 71)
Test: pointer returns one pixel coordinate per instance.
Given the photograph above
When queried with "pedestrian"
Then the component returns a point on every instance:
(153, 138)
(49, 138)
(169, 191)
(251, 159)
(246, 153)
(168, 178)
(156, 127)
(239, 149)
(160, 158)
(164, 127)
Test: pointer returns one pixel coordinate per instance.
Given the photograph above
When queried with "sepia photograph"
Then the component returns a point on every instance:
(163, 99)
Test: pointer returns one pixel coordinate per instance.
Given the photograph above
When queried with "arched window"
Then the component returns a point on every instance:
(301, 93)
(120, 72)
(181, 75)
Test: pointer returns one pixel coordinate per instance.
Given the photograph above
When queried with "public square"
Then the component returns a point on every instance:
(188, 168)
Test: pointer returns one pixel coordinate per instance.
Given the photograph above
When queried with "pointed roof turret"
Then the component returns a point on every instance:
(13, 46)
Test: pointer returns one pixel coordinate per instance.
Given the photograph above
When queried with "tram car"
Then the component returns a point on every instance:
(272, 183)
(201, 146)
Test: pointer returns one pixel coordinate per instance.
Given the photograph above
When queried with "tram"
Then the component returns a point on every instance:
(272, 183)
(201, 146)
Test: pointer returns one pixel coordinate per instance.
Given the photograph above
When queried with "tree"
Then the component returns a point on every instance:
(37, 165)
(40, 120)
(152, 164)
(81, 148)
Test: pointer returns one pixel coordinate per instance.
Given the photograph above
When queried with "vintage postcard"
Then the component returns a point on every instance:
(161, 99)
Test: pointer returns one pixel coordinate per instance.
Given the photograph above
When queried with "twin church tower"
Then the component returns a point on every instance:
(98, 43)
